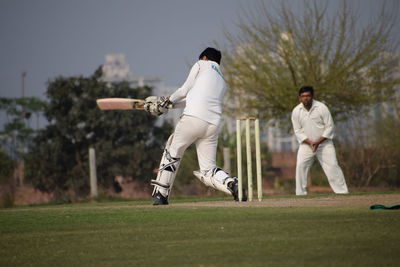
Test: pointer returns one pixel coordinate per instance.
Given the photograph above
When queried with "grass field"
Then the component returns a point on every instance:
(218, 233)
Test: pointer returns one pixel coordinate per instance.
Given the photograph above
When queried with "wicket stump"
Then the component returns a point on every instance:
(248, 158)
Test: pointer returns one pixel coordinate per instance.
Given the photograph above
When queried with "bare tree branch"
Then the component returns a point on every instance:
(279, 49)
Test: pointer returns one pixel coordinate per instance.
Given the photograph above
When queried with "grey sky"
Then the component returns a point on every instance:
(48, 38)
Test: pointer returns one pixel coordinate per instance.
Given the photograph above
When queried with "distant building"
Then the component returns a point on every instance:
(279, 140)
(116, 69)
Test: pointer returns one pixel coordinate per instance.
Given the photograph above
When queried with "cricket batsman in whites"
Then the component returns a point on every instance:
(200, 123)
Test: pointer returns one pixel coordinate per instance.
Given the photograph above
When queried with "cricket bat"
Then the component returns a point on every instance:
(128, 104)
(120, 103)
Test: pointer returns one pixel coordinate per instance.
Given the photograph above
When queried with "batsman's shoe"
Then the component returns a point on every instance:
(233, 187)
(159, 199)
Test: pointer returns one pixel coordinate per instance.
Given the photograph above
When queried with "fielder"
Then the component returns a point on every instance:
(200, 123)
(313, 127)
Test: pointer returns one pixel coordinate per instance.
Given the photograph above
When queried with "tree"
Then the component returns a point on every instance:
(127, 143)
(17, 133)
(279, 50)
(7, 183)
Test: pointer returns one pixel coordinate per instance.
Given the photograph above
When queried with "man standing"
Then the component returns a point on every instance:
(313, 127)
(203, 92)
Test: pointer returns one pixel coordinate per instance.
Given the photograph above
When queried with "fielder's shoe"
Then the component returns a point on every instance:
(160, 199)
(233, 187)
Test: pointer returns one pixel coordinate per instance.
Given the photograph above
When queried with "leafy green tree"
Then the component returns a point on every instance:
(7, 184)
(6, 167)
(126, 142)
(15, 137)
(17, 133)
(278, 50)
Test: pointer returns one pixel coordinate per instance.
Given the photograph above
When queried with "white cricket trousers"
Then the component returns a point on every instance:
(326, 156)
(191, 130)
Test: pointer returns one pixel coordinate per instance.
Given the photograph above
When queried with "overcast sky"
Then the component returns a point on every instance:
(49, 38)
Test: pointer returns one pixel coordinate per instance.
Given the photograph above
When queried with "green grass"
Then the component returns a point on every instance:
(137, 234)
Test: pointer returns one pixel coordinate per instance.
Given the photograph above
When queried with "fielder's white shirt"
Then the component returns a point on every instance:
(313, 123)
(204, 90)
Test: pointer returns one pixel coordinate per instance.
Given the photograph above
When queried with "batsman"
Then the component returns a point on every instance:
(202, 95)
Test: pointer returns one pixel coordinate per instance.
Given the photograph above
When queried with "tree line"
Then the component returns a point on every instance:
(56, 157)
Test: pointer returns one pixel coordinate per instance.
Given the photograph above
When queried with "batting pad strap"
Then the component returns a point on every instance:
(155, 182)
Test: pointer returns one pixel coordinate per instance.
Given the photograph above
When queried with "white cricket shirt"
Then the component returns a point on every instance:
(204, 90)
(313, 123)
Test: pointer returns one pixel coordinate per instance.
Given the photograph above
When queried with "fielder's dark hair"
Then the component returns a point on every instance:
(306, 89)
(211, 54)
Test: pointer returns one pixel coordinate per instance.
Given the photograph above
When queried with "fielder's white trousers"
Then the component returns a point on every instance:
(191, 130)
(326, 156)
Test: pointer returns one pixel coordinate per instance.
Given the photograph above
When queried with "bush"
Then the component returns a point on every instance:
(370, 155)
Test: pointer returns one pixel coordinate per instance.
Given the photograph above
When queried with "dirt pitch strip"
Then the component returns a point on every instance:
(337, 201)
